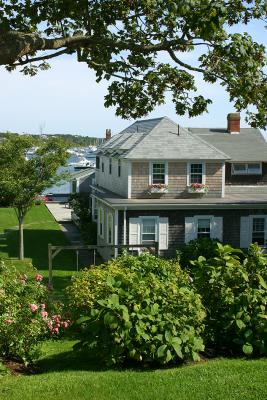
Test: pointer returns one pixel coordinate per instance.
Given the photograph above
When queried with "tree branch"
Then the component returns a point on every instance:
(41, 58)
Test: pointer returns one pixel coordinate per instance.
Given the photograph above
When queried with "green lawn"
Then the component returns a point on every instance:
(68, 376)
(40, 229)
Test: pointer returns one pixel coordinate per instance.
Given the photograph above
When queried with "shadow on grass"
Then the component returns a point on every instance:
(71, 361)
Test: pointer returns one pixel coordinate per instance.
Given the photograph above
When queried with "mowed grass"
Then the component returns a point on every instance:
(40, 228)
(69, 376)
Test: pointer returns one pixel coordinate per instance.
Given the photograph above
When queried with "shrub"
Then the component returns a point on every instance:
(140, 308)
(88, 228)
(204, 247)
(234, 293)
(25, 317)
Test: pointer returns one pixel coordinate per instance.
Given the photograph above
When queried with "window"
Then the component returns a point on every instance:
(74, 186)
(101, 222)
(203, 227)
(246, 169)
(158, 173)
(97, 162)
(103, 166)
(258, 230)
(119, 167)
(148, 232)
(110, 228)
(196, 173)
(110, 166)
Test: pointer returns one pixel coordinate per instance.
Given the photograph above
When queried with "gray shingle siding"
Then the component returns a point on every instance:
(231, 224)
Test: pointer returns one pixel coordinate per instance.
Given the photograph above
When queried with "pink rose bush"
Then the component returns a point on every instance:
(27, 315)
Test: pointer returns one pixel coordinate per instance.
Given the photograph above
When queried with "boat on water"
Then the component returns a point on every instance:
(82, 163)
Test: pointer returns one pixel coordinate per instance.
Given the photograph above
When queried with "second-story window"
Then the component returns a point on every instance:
(119, 167)
(110, 165)
(196, 173)
(97, 162)
(103, 166)
(158, 173)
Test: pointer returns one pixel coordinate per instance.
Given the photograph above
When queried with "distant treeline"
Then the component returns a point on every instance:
(73, 140)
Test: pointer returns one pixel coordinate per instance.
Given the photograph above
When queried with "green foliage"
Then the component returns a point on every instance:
(23, 179)
(146, 49)
(234, 293)
(26, 315)
(141, 308)
(205, 247)
(79, 204)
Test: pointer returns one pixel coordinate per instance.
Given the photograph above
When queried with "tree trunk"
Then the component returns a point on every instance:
(21, 239)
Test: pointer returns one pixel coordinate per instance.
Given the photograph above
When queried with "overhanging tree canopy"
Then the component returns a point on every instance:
(143, 46)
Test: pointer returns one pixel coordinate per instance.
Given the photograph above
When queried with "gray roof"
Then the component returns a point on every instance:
(83, 173)
(233, 199)
(248, 145)
(159, 138)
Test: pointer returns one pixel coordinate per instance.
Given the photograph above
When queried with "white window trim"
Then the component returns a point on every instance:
(188, 183)
(129, 179)
(251, 227)
(101, 211)
(156, 218)
(166, 171)
(233, 172)
(198, 217)
(109, 214)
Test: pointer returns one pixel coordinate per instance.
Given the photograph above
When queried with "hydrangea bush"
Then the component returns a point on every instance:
(26, 316)
(142, 308)
(234, 293)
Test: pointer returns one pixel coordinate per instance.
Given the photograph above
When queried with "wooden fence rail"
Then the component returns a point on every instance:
(54, 250)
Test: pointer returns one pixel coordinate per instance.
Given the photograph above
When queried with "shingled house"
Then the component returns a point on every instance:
(157, 181)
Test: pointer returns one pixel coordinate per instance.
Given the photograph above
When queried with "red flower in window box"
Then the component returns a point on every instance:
(198, 188)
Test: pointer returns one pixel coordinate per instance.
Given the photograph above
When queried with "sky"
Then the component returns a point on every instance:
(66, 100)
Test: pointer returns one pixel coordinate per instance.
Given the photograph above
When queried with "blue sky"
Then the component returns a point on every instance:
(66, 99)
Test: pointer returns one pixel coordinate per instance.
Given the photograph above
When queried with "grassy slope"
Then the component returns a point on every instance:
(68, 376)
(39, 230)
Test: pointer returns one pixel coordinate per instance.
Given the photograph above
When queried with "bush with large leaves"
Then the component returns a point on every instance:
(234, 293)
(140, 308)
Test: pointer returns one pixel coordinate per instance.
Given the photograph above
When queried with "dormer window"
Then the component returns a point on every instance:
(246, 169)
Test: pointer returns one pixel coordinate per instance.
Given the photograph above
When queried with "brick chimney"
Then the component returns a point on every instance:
(108, 134)
(233, 123)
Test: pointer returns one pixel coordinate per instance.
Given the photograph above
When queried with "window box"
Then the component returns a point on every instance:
(198, 188)
(157, 188)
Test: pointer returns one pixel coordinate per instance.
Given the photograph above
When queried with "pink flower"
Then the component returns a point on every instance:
(33, 307)
(44, 314)
(8, 321)
(43, 306)
(65, 324)
(39, 277)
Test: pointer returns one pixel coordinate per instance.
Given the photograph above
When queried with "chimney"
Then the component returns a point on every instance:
(233, 123)
(108, 134)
